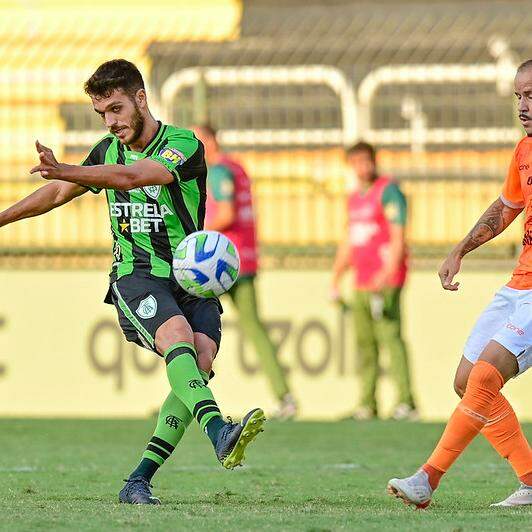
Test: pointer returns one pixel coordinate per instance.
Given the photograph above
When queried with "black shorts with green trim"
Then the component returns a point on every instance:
(144, 302)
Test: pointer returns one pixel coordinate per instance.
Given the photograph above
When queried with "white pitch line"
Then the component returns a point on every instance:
(21, 469)
(344, 466)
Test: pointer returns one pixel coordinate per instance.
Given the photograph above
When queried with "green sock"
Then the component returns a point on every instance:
(173, 420)
(213, 426)
(188, 384)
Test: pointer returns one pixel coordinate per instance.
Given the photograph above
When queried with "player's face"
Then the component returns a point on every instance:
(363, 166)
(122, 115)
(523, 92)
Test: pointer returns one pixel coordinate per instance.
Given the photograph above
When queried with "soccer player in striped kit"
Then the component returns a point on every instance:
(375, 250)
(153, 175)
(230, 211)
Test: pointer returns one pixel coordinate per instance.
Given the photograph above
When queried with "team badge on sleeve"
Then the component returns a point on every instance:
(392, 212)
(227, 187)
(172, 156)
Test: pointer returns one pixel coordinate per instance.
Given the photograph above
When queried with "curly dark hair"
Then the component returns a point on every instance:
(114, 74)
(362, 147)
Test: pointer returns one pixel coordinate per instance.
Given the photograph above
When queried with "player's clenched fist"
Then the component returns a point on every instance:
(449, 268)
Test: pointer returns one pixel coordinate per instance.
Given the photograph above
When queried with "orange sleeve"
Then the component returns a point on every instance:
(512, 195)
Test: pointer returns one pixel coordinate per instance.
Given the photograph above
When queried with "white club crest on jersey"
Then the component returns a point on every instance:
(147, 308)
(152, 191)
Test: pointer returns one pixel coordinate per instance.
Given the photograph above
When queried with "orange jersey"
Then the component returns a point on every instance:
(517, 193)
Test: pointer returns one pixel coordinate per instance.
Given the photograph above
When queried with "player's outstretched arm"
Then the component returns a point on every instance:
(494, 221)
(44, 199)
(116, 176)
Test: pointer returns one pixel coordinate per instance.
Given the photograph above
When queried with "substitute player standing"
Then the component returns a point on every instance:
(499, 347)
(230, 211)
(375, 250)
(154, 178)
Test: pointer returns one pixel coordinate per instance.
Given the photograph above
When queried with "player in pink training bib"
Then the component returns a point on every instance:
(375, 251)
(230, 211)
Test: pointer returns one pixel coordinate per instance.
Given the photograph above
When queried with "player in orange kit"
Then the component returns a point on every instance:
(500, 345)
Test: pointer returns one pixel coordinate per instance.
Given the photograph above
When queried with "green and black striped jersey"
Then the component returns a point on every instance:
(149, 222)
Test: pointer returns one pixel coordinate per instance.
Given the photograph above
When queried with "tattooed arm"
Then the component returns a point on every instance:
(494, 221)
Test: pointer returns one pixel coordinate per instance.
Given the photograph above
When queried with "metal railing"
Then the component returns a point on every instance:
(287, 123)
(302, 216)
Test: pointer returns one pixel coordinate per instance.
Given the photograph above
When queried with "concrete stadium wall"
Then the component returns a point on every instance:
(62, 353)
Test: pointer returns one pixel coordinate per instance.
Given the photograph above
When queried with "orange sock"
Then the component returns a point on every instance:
(471, 414)
(504, 433)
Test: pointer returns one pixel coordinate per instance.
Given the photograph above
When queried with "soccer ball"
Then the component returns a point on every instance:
(206, 264)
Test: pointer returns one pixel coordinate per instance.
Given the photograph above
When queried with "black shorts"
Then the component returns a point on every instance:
(145, 302)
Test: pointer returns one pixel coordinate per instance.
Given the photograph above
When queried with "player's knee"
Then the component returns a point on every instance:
(459, 390)
(205, 361)
(206, 349)
(460, 385)
(503, 360)
(173, 331)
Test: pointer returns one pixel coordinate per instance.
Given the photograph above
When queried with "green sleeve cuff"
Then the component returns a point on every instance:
(394, 204)
(221, 183)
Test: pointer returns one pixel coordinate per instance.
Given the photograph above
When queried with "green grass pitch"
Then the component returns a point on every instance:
(65, 475)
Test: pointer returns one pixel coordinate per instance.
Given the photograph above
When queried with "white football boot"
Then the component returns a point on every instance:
(363, 413)
(521, 497)
(405, 412)
(414, 490)
(286, 410)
